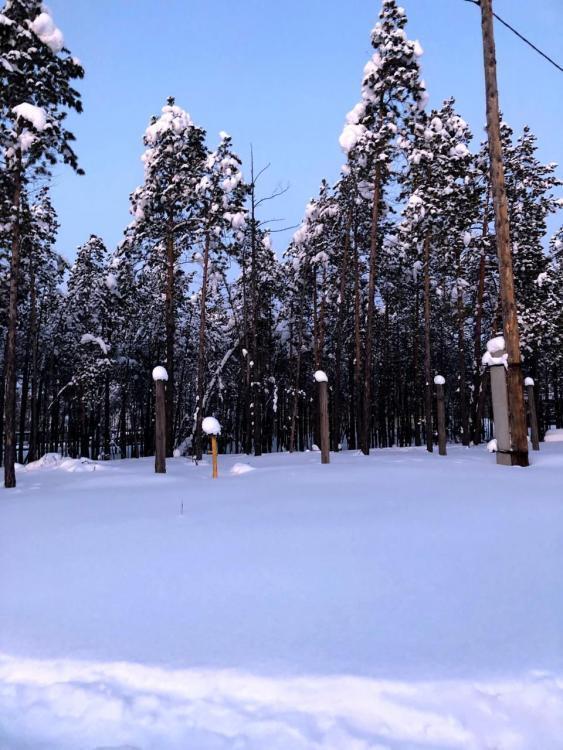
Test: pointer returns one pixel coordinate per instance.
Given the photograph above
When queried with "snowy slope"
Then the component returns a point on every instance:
(403, 601)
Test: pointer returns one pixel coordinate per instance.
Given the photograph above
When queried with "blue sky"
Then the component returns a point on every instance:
(280, 75)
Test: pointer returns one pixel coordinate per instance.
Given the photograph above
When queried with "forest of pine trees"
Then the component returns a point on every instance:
(390, 279)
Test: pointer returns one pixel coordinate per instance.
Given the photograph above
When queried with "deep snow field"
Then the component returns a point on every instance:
(398, 602)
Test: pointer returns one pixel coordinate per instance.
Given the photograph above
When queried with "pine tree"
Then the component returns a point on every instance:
(392, 94)
(35, 80)
(166, 215)
(441, 209)
(529, 185)
(222, 219)
(88, 327)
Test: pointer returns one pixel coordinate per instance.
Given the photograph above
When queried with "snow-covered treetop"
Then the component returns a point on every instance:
(86, 286)
(173, 118)
(172, 136)
(159, 373)
(188, 189)
(311, 241)
(222, 191)
(211, 426)
(391, 86)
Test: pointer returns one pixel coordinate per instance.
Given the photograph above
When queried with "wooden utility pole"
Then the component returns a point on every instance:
(160, 376)
(322, 380)
(517, 408)
(439, 382)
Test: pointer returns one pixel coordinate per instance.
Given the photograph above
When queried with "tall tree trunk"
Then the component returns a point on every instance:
(256, 372)
(427, 351)
(10, 350)
(23, 404)
(463, 405)
(368, 362)
(477, 345)
(107, 428)
(84, 436)
(201, 357)
(123, 416)
(2, 389)
(415, 376)
(336, 433)
(357, 426)
(35, 416)
(170, 336)
(295, 405)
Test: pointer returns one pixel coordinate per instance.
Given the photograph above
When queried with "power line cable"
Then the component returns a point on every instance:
(523, 38)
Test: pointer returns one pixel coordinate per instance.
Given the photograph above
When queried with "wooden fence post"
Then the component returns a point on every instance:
(529, 383)
(160, 376)
(212, 428)
(322, 380)
(439, 382)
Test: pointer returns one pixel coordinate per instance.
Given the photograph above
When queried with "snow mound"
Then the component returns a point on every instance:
(554, 436)
(492, 446)
(80, 464)
(210, 709)
(48, 461)
(240, 468)
(56, 461)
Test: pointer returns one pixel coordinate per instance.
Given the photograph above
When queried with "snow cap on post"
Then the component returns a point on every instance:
(320, 376)
(439, 380)
(211, 426)
(496, 352)
(496, 345)
(528, 381)
(159, 373)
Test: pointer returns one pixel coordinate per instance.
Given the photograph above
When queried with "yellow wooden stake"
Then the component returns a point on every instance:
(214, 452)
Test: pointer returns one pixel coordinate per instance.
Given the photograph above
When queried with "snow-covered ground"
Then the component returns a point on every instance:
(400, 602)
